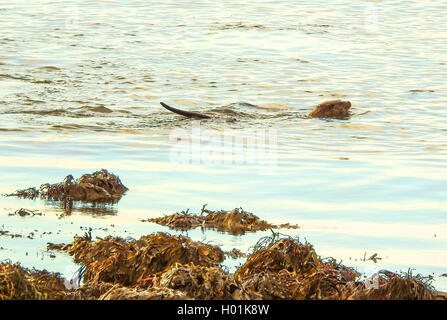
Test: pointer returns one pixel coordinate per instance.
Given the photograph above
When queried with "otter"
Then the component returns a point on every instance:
(330, 109)
(188, 114)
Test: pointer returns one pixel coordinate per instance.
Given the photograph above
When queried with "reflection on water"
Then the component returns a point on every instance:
(75, 207)
(81, 82)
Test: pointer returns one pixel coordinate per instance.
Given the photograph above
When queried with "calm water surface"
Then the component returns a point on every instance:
(80, 85)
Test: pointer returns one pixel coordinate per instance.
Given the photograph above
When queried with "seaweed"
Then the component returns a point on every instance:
(58, 246)
(110, 291)
(162, 266)
(322, 278)
(90, 291)
(236, 222)
(198, 282)
(268, 286)
(393, 286)
(18, 283)
(297, 266)
(30, 193)
(11, 235)
(235, 254)
(123, 293)
(178, 221)
(25, 212)
(267, 241)
(100, 186)
(128, 262)
(285, 254)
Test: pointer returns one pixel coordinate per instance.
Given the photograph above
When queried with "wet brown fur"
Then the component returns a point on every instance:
(331, 109)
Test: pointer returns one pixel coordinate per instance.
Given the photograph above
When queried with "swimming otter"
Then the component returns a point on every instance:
(331, 109)
(328, 109)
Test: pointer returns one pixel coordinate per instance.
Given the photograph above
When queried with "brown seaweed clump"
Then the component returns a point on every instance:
(160, 266)
(198, 282)
(58, 246)
(235, 254)
(110, 291)
(268, 286)
(90, 291)
(100, 186)
(178, 221)
(285, 254)
(26, 212)
(30, 193)
(392, 286)
(287, 269)
(124, 293)
(11, 235)
(296, 269)
(236, 222)
(18, 283)
(128, 262)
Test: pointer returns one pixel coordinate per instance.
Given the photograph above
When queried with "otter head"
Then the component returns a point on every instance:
(332, 109)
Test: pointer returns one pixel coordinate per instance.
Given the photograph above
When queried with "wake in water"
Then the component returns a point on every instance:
(329, 109)
(101, 118)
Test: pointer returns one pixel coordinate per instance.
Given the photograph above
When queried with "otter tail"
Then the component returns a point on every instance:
(188, 114)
